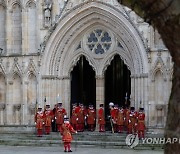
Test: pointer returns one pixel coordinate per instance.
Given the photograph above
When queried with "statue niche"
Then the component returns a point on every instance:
(47, 13)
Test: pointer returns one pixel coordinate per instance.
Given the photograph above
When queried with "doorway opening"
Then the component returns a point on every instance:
(117, 83)
(83, 84)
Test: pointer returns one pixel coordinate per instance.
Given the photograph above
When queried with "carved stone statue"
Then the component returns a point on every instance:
(47, 12)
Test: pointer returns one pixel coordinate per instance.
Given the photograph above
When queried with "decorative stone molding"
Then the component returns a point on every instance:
(99, 77)
(57, 62)
(49, 77)
(158, 66)
(17, 107)
(66, 78)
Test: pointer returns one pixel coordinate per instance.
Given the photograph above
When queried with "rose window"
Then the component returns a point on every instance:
(99, 41)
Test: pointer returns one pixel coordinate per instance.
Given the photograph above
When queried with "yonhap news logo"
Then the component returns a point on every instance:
(132, 140)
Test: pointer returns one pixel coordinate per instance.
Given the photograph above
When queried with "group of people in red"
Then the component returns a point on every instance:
(127, 119)
(44, 119)
(121, 119)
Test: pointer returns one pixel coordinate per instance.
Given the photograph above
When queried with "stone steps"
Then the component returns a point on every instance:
(82, 139)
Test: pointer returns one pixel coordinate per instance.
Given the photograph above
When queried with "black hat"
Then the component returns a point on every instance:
(48, 106)
(132, 108)
(101, 105)
(39, 108)
(121, 107)
(81, 104)
(66, 119)
(59, 104)
(141, 109)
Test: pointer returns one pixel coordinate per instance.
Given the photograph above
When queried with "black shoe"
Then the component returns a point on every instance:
(70, 151)
(65, 151)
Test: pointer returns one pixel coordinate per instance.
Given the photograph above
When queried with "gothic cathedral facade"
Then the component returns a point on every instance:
(47, 45)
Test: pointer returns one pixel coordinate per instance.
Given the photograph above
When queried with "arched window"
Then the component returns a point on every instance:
(2, 29)
(16, 29)
(31, 95)
(17, 99)
(99, 41)
(17, 92)
(32, 24)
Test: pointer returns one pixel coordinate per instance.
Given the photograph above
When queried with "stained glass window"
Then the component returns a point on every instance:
(99, 41)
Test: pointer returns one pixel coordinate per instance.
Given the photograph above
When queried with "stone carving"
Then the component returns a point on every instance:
(17, 107)
(47, 12)
(2, 106)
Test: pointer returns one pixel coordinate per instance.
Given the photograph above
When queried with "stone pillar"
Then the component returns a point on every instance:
(24, 105)
(66, 93)
(9, 30)
(146, 105)
(133, 91)
(99, 91)
(24, 32)
(9, 100)
(99, 95)
(136, 92)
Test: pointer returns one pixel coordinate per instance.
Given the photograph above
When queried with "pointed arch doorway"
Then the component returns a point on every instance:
(117, 83)
(83, 83)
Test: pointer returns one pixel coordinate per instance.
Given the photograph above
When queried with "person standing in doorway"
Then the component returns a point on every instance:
(91, 118)
(101, 118)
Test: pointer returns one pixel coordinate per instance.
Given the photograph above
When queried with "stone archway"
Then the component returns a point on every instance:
(67, 43)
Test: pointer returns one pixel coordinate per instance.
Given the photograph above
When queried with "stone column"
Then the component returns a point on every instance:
(9, 100)
(24, 32)
(99, 95)
(136, 91)
(9, 31)
(133, 90)
(66, 93)
(24, 105)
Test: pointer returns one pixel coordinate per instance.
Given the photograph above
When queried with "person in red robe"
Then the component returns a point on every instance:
(80, 118)
(141, 123)
(91, 120)
(59, 116)
(39, 122)
(74, 116)
(120, 120)
(101, 118)
(114, 113)
(48, 118)
(66, 132)
(132, 121)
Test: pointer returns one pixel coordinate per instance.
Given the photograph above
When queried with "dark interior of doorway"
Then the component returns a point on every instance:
(117, 84)
(83, 83)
